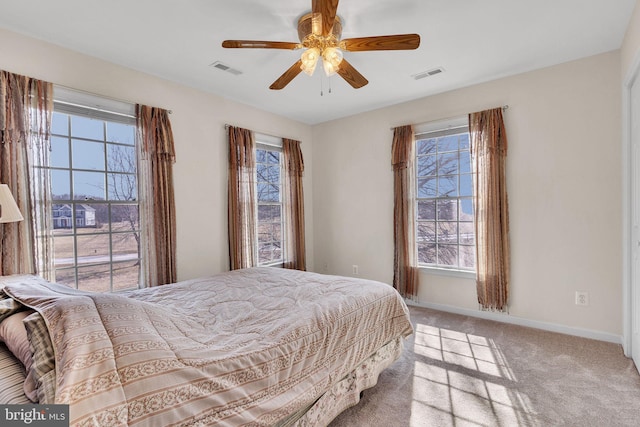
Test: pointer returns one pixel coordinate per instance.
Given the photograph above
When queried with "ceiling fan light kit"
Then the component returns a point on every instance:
(319, 33)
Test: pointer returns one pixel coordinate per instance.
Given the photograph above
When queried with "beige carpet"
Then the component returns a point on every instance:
(462, 371)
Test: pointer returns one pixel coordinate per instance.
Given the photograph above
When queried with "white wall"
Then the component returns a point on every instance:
(563, 126)
(198, 119)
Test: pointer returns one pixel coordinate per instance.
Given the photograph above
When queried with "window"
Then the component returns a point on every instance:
(445, 229)
(269, 202)
(94, 189)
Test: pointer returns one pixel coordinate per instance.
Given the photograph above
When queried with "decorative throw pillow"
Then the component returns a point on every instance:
(14, 335)
(43, 368)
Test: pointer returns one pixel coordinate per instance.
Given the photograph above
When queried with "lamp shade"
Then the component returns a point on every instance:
(9, 211)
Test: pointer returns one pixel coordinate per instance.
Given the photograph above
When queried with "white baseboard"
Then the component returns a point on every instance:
(507, 318)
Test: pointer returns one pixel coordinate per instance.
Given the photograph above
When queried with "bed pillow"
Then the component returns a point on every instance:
(43, 368)
(12, 376)
(14, 335)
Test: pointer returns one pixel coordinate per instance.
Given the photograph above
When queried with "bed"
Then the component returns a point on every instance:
(258, 347)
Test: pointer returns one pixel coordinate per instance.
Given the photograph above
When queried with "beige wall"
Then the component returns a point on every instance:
(564, 130)
(198, 119)
(563, 125)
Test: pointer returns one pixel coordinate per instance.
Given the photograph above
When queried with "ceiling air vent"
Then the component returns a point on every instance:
(220, 66)
(428, 73)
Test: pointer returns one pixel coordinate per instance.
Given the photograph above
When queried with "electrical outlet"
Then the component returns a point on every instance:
(582, 298)
(355, 269)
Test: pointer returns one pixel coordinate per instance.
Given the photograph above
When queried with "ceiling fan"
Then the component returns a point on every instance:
(319, 33)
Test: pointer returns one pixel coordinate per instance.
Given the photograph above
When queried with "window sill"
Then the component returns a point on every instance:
(448, 272)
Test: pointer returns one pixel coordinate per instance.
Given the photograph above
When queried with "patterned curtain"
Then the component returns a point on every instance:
(405, 264)
(26, 107)
(490, 204)
(242, 209)
(157, 155)
(294, 205)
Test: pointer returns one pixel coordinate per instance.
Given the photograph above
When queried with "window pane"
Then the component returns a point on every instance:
(448, 186)
(59, 152)
(86, 220)
(93, 248)
(466, 185)
(126, 275)
(60, 124)
(468, 257)
(426, 146)
(465, 162)
(448, 255)
(448, 210)
(84, 127)
(88, 186)
(466, 210)
(467, 233)
(427, 165)
(427, 253)
(62, 215)
(426, 231)
(125, 246)
(88, 155)
(66, 277)
(125, 217)
(427, 209)
(119, 132)
(268, 192)
(448, 164)
(63, 250)
(464, 142)
(121, 158)
(447, 232)
(123, 187)
(273, 174)
(261, 156)
(269, 232)
(95, 278)
(273, 157)
(60, 184)
(448, 143)
(269, 213)
(427, 187)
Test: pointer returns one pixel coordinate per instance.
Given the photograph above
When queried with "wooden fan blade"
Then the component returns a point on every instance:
(258, 44)
(394, 42)
(327, 9)
(288, 75)
(351, 75)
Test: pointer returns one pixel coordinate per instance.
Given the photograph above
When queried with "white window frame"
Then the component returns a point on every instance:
(271, 143)
(431, 130)
(77, 103)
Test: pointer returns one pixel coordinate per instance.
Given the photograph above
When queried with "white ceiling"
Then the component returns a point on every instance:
(473, 40)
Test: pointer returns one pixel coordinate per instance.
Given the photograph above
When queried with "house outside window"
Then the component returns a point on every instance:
(94, 190)
(445, 232)
(269, 201)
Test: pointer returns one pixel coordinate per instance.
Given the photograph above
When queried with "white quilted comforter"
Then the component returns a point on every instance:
(248, 347)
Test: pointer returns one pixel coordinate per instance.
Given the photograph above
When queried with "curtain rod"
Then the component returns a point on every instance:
(227, 126)
(111, 98)
(504, 108)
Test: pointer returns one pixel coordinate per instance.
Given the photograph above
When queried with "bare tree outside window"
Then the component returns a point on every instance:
(269, 196)
(445, 231)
